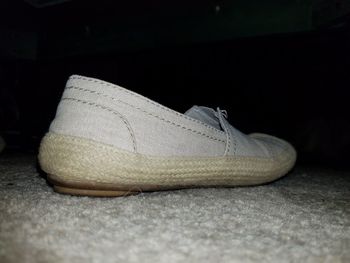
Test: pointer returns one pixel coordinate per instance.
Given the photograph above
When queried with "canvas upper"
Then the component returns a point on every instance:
(109, 114)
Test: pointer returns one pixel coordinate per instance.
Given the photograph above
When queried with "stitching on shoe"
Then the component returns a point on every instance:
(153, 115)
(228, 141)
(229, 135)
(143, 98)
(234, 142)
(127, 124)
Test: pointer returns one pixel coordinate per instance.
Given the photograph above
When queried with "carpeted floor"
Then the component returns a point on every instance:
(304, 217)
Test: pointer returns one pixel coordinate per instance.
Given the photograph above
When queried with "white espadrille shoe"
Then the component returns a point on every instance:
(109, 141)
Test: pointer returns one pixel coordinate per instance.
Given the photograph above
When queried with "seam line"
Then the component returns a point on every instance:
(142, 98)
(127, 124)
(153, 115)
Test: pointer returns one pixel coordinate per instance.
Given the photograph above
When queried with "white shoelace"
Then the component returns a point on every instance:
(222, 115)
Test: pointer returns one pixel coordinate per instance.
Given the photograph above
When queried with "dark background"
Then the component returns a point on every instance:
(279, 67)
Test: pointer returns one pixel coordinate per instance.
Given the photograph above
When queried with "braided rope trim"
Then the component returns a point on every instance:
(74, 159)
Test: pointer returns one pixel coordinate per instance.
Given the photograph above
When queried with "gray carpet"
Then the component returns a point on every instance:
(305, 217)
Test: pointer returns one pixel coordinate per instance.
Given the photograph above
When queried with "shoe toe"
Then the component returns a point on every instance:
(278, 149)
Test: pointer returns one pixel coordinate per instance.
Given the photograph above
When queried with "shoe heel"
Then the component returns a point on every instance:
(71, 168)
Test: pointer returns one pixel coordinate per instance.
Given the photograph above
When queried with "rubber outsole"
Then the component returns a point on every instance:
(87, 192)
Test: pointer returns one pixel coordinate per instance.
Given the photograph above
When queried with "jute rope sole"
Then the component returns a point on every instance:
(81, 166)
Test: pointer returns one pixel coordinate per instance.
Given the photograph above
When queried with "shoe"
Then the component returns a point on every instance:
(108, 141)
